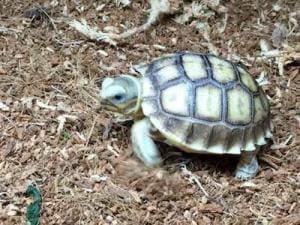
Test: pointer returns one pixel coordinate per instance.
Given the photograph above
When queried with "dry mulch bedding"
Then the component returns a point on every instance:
(54, 134)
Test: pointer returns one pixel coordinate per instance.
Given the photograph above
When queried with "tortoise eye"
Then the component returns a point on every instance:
(118, 97)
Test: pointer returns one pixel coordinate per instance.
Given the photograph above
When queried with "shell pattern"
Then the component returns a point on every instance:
(203, 103)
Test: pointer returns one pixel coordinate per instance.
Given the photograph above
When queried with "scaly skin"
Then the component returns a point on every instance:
(143, 145)
(247, 167)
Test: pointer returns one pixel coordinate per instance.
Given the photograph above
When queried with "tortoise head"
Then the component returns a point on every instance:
(121, 94)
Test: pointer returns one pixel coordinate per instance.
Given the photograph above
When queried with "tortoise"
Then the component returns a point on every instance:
(199, 103)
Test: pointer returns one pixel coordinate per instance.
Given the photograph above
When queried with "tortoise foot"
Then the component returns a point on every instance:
(247, 167)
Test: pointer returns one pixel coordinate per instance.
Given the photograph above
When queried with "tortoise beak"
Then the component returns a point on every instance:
(107, 105)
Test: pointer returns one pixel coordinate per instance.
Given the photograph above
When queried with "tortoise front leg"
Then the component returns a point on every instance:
(247, 167)
(142, 143)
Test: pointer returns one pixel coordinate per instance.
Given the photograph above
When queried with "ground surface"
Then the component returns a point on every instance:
(84, 167)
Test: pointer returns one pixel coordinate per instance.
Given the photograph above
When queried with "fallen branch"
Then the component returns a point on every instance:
(158, 7)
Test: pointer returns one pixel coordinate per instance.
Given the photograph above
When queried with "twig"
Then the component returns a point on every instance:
(66, 44)
(92, 32)
(158, 7)
(193, 178)
(91, 131)
(282, 145)
(269, 162)
(111, 149)
(7, 30)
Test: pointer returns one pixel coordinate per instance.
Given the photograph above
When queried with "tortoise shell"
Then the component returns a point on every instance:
(203, 103)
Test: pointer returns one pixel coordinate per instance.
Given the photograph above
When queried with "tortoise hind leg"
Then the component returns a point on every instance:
(143, 145)
(248, 166)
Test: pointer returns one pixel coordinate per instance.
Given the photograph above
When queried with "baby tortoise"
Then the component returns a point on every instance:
(199, 103)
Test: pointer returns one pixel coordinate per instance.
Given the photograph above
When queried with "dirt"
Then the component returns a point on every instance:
(55, 134)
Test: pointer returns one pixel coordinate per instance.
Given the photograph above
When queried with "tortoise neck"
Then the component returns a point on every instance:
(135, 111)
